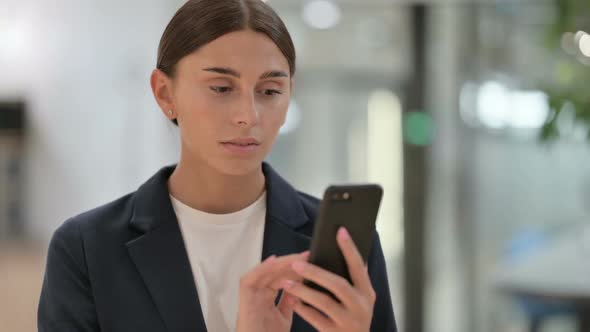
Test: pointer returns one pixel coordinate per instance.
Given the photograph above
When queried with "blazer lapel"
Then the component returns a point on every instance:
(284, 215)
(161, 258)
(284, 233)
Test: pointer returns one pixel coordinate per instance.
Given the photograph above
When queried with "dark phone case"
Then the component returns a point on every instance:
(357, 214)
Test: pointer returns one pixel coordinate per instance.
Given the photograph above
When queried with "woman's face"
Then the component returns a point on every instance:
(230, 98)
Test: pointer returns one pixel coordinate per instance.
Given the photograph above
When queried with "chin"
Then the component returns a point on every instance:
(238, 167)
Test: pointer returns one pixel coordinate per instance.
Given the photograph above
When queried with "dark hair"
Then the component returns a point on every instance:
(199, 22)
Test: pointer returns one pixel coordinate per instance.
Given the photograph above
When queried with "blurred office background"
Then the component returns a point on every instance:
(472, 114)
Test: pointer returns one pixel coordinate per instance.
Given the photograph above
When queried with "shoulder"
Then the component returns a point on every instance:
(114, 211)
(310, 203)
(111, 217)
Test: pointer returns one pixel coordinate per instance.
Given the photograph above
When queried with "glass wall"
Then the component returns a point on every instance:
(345, 121)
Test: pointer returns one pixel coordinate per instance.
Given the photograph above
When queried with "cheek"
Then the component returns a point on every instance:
(275, 118)
(198, 108)
(277, 110)
(201, 118)
(283, 111)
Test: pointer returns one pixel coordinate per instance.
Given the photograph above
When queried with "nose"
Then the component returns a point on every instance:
(246, 113)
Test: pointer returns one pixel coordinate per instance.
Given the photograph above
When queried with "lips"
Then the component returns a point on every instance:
(239, 144)
(244, 147)
(243, 141)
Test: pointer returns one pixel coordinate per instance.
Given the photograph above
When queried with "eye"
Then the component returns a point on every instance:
(221, 89)
(271, 92)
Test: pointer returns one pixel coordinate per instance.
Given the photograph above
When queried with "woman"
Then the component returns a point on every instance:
(183, 252)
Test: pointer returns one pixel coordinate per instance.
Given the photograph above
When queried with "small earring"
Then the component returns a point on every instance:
(170, 112)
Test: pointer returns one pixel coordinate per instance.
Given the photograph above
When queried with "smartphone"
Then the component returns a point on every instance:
(354, 207)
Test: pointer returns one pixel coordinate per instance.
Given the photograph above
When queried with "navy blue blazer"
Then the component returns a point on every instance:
(123, 267)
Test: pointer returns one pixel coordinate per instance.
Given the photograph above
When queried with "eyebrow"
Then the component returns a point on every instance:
(234, 73)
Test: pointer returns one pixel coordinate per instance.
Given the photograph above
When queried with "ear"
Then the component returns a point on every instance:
(162, 89)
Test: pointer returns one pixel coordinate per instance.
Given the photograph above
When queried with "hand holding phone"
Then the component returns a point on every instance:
(337, 258)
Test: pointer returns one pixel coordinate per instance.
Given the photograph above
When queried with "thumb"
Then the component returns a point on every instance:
(286, 305)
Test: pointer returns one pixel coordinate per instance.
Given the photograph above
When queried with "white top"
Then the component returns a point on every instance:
(221, 248)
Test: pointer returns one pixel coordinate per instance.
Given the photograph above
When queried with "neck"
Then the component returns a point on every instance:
(204, 188)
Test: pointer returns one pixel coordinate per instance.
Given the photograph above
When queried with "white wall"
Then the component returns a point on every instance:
(83, 68)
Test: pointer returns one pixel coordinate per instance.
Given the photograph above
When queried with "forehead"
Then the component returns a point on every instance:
(245, 51)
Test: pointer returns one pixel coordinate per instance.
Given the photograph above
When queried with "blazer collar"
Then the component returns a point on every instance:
(160, 255)
(152, 205)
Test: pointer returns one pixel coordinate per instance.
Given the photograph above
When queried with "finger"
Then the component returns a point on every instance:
(276, 283)
(313, 317)
(319, 300)
(354, 261)
(305, 254)
(256, 273)
(266, 272)
(336, 284)
(281, 269)
(286, 305)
